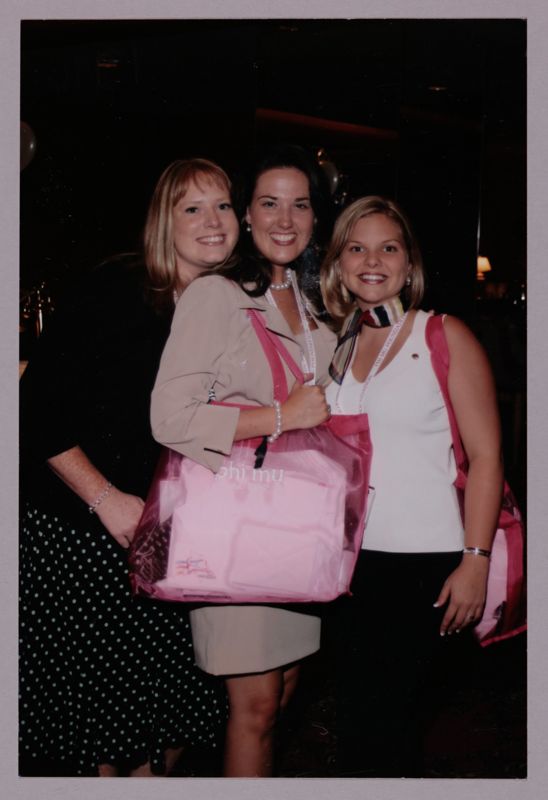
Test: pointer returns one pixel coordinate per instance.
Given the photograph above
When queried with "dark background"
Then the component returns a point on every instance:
(431, 112)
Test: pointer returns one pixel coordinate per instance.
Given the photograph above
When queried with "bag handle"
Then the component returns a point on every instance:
(273, 349)
(439, 355)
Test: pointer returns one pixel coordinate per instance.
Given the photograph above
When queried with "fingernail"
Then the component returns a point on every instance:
(436, 605)
(457, 630)
(442, 633)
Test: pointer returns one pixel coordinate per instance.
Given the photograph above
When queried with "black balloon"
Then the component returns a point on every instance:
(330, 170)
(27, 145)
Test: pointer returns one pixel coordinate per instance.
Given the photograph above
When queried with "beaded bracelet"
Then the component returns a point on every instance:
(99, 499)
(278, 426)
(477, 551)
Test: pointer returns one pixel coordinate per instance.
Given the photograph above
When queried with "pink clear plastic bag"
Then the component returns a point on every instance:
(505, 609)
(287, 531)
(290, 531)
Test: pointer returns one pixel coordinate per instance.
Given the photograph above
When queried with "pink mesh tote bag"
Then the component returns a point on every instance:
(288, 529)
(505, 607)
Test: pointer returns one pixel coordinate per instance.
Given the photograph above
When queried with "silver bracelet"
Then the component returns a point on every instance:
(278, 427)
(477, 551)
(99, 499)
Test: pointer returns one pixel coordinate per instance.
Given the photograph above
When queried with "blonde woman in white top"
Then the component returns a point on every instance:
(420, 576)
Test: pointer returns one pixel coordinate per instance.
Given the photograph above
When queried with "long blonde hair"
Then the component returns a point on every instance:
(158, 241)
(338, 300)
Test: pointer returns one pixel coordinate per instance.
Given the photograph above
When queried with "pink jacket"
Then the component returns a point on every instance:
(212, 346)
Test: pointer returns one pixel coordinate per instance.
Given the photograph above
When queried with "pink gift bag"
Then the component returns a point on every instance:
(289, 530)
(504, 614)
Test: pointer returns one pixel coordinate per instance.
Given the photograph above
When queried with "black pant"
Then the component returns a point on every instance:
(387, 636)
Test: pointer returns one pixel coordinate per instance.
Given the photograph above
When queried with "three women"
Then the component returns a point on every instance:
(412, 582)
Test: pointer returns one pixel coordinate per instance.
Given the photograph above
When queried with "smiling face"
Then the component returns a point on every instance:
(374, 263)
(281, 215)
(205, 228)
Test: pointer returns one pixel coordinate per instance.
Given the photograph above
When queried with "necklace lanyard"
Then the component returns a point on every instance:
(376, 365)
(309, 364)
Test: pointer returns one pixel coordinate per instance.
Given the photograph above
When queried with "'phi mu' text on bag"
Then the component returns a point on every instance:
(244, 472)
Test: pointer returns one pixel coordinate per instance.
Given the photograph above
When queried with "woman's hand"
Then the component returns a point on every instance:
(464, 592)
(120, 513)
(305, 407)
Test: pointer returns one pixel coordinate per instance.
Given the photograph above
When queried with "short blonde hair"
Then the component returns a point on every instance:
(158, 241)
(338, 300)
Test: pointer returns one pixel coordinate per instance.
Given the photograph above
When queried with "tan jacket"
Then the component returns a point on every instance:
(212, 345)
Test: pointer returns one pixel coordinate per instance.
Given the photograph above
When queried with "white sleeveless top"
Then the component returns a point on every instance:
(415, 506)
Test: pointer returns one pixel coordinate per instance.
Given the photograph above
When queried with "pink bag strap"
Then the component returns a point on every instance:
(273, 349)
(439, 354)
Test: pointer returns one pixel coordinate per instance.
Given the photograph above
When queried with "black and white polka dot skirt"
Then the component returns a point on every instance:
(104, 677)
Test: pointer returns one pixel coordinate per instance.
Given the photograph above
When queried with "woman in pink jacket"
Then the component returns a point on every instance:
(256, 648)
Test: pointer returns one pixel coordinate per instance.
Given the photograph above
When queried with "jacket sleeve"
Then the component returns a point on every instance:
(181, 417)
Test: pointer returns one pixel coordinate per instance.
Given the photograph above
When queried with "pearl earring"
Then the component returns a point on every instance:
(408, 281)
(248, 227)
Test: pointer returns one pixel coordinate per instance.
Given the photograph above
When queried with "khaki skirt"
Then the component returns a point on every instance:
(234, 640)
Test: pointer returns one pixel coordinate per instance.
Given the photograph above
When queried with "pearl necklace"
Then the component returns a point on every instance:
(286, 284)
(376, 366)
(309, 365)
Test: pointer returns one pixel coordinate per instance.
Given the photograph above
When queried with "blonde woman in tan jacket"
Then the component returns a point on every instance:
(256, 648)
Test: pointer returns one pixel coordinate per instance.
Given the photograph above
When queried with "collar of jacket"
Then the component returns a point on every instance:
(275, 320)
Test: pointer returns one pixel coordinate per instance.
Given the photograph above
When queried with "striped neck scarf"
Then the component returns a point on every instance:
(383, 316)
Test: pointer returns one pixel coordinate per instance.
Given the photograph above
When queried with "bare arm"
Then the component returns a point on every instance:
(119, 512)
(472, 392)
